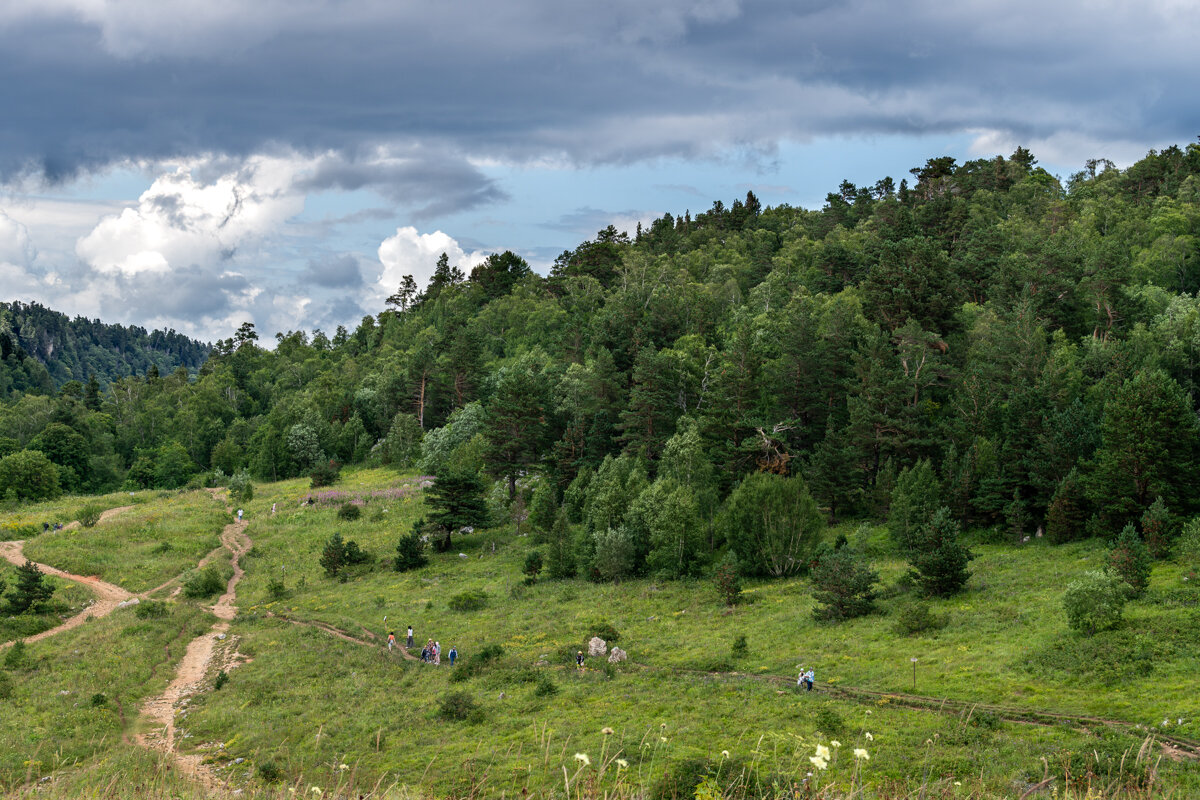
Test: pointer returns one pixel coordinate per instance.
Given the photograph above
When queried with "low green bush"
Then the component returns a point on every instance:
(470, 600)
(459, 707)
(349, 511)
(89, 515)
(150, 609)
(203, 583)
(918, 617)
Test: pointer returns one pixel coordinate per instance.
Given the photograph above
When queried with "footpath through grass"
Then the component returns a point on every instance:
(141, 548)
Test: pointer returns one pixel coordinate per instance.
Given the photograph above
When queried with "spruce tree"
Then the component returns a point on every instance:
(31, 589)
(1066, 519)
(938, 559)
(456, 500)
(1130, 560)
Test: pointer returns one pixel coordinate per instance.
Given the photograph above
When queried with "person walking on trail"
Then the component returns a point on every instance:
(800, 678)
(579, 659)
(391, 640)
(410, 639)
(239, 515)
(808, 679)
(437, 654)
(453, 655)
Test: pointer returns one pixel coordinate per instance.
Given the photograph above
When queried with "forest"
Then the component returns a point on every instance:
(981, 337)
(41, 350)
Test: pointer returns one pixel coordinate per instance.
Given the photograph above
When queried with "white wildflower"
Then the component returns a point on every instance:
(583, 759)
(862, 754)
(818, 762)
(822, 752)
(724, 754)
(834, 743)
(622, 763)
(607, 731)
(870, 738)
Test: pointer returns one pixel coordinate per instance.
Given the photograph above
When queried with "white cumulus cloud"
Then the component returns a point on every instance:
(183, 220)
(410, 252)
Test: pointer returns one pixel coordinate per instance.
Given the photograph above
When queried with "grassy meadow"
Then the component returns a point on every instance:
(308, 703)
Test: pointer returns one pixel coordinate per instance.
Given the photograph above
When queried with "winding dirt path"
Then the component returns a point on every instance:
(192, 669)
(108, 596)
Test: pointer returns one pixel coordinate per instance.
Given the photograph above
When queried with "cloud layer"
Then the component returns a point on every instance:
(611, 82)
(241, 113)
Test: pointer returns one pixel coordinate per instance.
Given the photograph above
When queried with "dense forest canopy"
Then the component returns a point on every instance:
(1027, 347)
(42, 350)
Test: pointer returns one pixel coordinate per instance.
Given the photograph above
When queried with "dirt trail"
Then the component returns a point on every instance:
(105, 516)
(1173, 746)
(339, 633)
(193, 668)
(108, 596)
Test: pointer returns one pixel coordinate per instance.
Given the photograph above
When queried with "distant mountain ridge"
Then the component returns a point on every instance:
(42, 349)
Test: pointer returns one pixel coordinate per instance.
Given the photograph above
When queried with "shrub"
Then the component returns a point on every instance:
(89, 515)
(728, 581)
(99, 700)
(325, 473)
(607, 632)
(241, 490)
(269, 772)
(349, 512)
(772, 523)
(221, 680)
(150, 609)
(275, 589)
(829, 722)
(470, 600)
(1094, 602)
(203, 583)
(739, 648)
(843, 585)
(918, 618)
(476, 663)
(545, 686)
(459, 707)
(1129, 559)
(1188, 547)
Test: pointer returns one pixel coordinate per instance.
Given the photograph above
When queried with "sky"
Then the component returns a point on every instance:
(195, 165)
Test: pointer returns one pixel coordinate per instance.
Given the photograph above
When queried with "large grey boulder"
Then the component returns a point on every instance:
(616, 656)
(597, 647)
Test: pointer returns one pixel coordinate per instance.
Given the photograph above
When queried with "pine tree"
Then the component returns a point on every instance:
(31, 589)
(1158, 529)
(456, 500)
(843, 585)
(560, 560)
(1066, 518)
(333, 556)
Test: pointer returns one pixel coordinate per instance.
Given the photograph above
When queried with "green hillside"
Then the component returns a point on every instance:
(1005, 694)
(42, 350)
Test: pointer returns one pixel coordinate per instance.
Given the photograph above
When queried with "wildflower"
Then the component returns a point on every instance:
(607, 731)
(822, 752)
(343, 767)
(834, 743)
(862, 754)
(818, 762)
(662, 724)
(870, 738)
(583, 759)
(958, 783)
(622, 763)
(662, 739)
(317, 791)
(724, 754)
(868, 711)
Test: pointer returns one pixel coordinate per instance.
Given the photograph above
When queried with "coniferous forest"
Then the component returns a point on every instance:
(983, 337)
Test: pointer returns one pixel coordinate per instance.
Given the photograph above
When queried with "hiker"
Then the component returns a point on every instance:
(410, 639)
(425, 654)
(453, 655)
(391, 640)
(239, 515)
(437, 654)
(579, 659)
(808, 679)
(272, 508)
(800, 678)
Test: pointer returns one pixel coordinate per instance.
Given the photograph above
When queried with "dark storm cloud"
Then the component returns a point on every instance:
(597, 83)
(341, 272)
